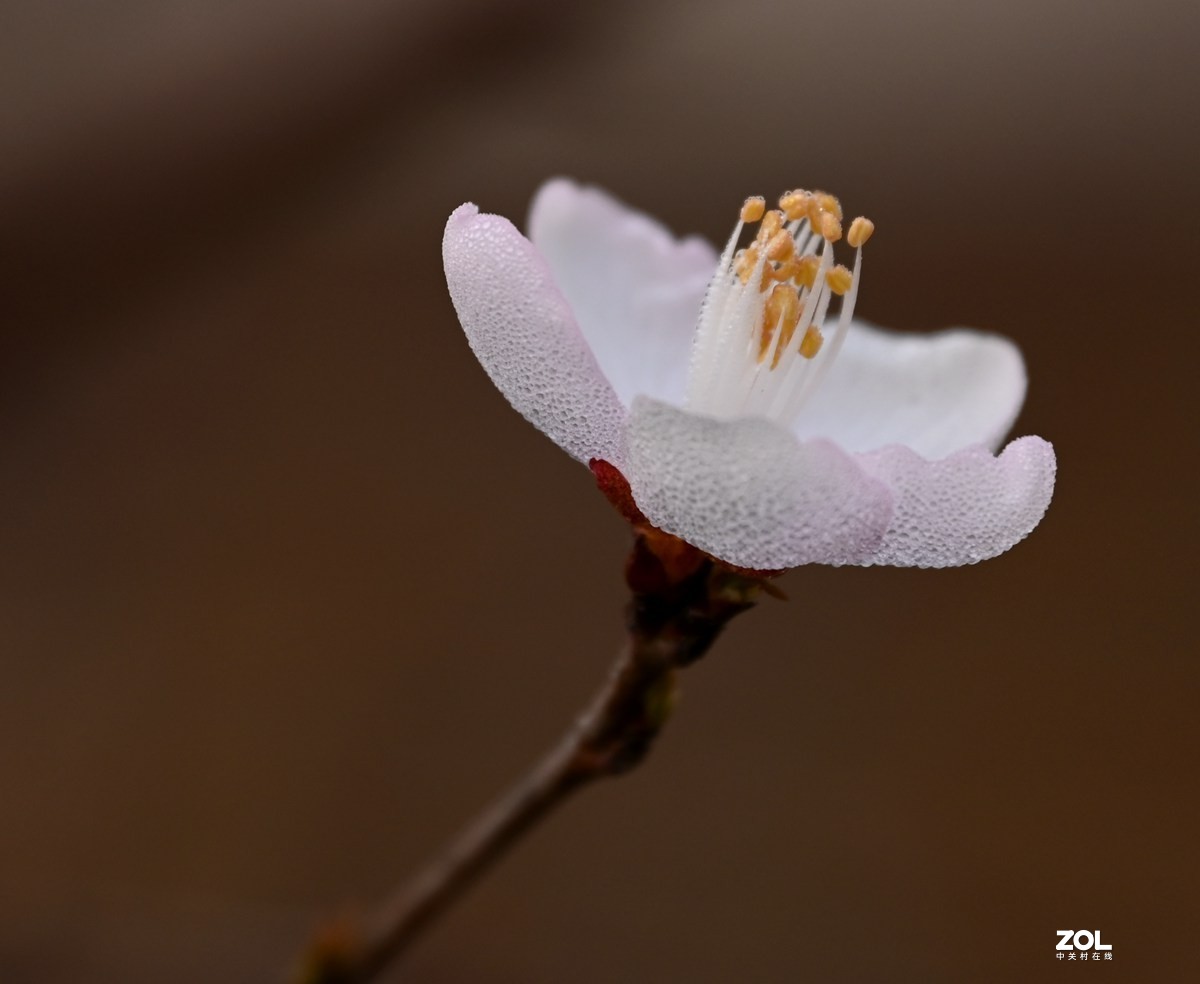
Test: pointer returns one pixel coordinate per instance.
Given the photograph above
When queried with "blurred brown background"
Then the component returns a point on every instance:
(287, 591)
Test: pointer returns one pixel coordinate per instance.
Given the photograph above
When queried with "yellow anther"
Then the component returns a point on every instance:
(782, 311)
(781, 246)
(839, 279)
(806, 272)
(785, 339)
(772, 222)
(788, 269)
(811, 343)
(814, 212)
(785, 336)
(860, 231)
(831, 228)
(828, 203)
(765, 334)
(794, 204)
(753, 208)
(744, 262)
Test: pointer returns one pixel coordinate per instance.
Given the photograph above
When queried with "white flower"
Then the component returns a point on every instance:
(620, 343)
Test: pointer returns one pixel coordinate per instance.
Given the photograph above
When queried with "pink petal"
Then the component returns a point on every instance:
(635, 289)
(523, 333)
(747, 492)
(933, 393)
(965, 508)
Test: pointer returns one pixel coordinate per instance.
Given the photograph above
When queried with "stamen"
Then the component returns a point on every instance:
(781, 247)
(753, 208)
(782, 310)
(860, 231)
(812, 341)
(744, 261)
(806, 274)
(839, 280)
(751, 355)
(735, 343)
(828, 203)
(839, 337)
(785, 339)
(772, 222)
(795, 204)
(783, 401)
(713, 327)
(831, 227)
(787, 270)
(814, 212)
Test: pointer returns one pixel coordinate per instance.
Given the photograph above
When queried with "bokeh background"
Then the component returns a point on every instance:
(287, 592)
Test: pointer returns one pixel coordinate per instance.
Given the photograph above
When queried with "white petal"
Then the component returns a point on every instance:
(965, 508)
(747, 492)
(522, 331)
(933, 393)
(635, 289)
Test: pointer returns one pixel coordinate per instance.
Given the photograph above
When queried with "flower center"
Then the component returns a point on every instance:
(760, 346)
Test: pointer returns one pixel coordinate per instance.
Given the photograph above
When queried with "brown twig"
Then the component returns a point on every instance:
(681, 601)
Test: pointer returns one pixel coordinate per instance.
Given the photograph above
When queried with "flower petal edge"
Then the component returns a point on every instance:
(634, 286)
(748, 493)
(523, 333)
(968, 507)
(935, 393)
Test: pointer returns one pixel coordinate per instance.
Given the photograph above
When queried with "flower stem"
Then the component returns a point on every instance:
(681, 601)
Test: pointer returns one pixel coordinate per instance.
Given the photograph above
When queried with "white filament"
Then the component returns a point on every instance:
(727, 377)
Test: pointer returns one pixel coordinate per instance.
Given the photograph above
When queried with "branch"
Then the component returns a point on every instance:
(681, 601)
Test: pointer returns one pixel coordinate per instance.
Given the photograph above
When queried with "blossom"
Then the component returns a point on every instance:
(747, 419)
